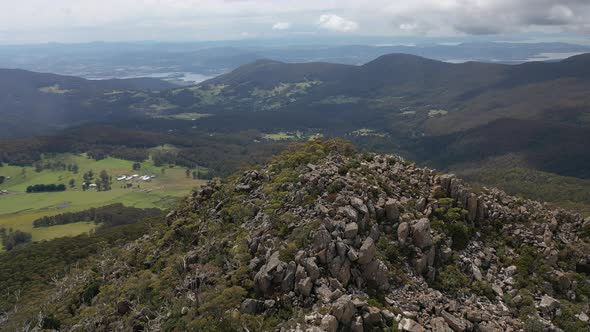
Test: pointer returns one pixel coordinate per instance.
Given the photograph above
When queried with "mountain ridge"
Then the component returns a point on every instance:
(324, 238)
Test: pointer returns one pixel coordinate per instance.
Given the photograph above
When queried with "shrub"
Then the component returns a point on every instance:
(460, 233)
(336, 186)
(451, 280)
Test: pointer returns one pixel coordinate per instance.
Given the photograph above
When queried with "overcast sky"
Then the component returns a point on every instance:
(27, 21)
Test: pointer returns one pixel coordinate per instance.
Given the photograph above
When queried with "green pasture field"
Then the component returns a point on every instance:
(18, 209)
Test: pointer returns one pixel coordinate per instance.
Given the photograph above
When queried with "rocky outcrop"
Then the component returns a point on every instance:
(330, 240)
(348, 253)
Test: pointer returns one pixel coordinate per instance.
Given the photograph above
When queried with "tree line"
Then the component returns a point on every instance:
(55, 165)
(42, 188)
(107, 216)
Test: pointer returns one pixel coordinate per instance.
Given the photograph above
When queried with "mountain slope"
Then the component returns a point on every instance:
(416, 101)
(324, 238)
(32, 103)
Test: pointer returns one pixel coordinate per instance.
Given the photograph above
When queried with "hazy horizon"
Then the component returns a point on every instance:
(68, 21)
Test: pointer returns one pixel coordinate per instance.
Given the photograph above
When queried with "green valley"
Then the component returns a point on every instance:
(18, 209)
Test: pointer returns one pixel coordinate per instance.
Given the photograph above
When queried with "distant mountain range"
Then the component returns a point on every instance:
(443, 112)
(437, 112)
(171, 60)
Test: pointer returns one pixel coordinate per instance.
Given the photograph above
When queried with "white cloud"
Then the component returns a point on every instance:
(281, 26)
(83, 20)
(337, 23)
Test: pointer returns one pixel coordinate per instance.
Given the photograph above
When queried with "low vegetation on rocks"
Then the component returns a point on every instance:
(324, 238)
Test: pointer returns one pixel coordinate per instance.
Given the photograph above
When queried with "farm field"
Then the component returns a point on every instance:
(18, 209)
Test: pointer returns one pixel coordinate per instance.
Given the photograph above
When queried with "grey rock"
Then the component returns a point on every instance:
(367, 251)
(421, 233)
(351, 230)
(340, 269)
(304, 287)
(352, 255)
(349, 212)
(329, 323)
(341, 249)
(324, 293)
(438, 324)
(313, 271)
(375, 273)
(548, 305)
(358, 204)
(392, 210)
(456, 323)
(409, 325)
(372, 317)
(476, 273)
(343, 309)
(289, 280)
(251, 306)
(321, 240)
(498, 290)
(388, 316)
(403, 232)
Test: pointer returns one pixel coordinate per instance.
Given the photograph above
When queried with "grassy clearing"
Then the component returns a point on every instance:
(285, 89)
(55, 89)
(185, 116)
(285, 136)
(435, 113)
(18, 209)
(368, 132)
(340, 100)
(207, 95)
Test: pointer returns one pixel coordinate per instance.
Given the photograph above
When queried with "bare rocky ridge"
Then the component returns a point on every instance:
(387, 202)
(327, 239)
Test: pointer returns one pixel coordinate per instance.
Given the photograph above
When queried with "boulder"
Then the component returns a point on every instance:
(349, 212)
(351, 230)
(324, 293)
(321, 239)
(304, 287)
(372, 317)
(358, 204)
(421, 233)
(289, 280)
(456, 323)
(251, 306)
(352, 255)
(403, 232)
(343, 309)
(409, 325)
(548, 305)
(367, 251)
(375, 273)
(476, 273)
(391, 210)
(329, 323)
(340, 269)
(313, 271)
(438, 324)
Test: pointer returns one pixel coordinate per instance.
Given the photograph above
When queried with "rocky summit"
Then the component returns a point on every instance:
(324, 238)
